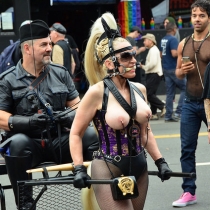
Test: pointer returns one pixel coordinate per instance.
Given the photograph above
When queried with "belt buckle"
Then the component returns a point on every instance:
(117, 158)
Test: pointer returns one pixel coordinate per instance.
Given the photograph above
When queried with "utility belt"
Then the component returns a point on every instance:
(127, 164)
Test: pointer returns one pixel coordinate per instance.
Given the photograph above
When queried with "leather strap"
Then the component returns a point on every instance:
(38, 80)
(131, 110)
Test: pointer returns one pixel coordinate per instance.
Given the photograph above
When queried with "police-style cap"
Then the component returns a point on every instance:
(36, 29)
(59, 28)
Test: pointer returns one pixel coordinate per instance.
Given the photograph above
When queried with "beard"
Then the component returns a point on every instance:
(46, 60)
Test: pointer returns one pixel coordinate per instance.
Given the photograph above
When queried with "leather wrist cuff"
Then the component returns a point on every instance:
(18, 123)
(79, 168)
(10, 125)
(159, 161)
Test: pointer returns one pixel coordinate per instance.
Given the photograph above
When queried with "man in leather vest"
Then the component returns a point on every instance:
(61, 53)
(37, 102)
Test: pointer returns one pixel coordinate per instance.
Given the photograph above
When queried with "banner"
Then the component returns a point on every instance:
(129, 14)
(83, 1)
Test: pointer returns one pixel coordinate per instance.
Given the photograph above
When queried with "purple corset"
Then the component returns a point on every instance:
(111, 141)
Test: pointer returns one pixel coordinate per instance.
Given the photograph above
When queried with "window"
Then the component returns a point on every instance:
(6, 15)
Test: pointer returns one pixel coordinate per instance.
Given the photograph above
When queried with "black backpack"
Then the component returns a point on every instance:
(10, 56)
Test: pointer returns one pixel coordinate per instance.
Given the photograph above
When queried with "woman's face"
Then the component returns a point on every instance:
(127, 60)
(166, 22)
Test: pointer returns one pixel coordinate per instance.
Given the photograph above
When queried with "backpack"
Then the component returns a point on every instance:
(7, 59)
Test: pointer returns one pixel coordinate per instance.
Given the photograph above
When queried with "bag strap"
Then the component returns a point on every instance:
(131, 110)
(34, 85)
(39, 79)
(138, 91)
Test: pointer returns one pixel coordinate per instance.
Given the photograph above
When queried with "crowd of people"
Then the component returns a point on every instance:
(41, 111)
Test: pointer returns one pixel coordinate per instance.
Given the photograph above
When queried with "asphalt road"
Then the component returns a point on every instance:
(162, 194)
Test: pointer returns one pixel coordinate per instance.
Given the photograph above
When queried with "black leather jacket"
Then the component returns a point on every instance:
(16, 97)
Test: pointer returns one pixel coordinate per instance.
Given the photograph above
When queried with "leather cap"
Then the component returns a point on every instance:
(36, 29)
(59, 28)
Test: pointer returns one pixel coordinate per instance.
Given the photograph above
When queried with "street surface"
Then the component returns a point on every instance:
(162, 194)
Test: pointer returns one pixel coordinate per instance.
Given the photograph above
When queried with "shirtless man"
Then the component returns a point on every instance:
(193, 112)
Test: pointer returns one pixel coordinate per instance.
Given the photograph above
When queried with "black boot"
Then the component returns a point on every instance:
(16, 169)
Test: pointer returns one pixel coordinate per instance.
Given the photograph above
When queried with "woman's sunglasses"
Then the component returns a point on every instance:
(127, 56)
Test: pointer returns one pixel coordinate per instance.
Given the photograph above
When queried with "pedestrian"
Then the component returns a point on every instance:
(177, 35)
(34, 94)
(168, 46)
(196, 48)
(134, 34)
(61, 53)
(154, 73)
(172, 20)
(120, 113)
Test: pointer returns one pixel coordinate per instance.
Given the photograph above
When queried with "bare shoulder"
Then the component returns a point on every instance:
(94, 93)
(181, 43)
(141, 87)
(96, 89)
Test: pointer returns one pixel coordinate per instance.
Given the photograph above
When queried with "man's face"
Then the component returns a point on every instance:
(147, 42)
(136, 34)
(42, 50)
(200, 19)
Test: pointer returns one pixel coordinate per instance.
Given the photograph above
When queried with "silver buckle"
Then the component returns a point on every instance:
(47, 105)
(117, 158)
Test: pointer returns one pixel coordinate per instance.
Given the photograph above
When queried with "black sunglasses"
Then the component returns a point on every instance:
(127, 56)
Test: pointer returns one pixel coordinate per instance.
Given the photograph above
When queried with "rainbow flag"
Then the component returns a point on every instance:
(129, 14)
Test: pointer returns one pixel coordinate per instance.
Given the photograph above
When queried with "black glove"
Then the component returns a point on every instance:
(18, 123)
(162, 168)
(65, 120)
(38, 120)
(80, 177)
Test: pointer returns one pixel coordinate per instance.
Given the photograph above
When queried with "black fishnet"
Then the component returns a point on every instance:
(99, 170)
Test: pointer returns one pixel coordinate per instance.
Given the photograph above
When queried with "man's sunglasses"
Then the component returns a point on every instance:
(127, 56)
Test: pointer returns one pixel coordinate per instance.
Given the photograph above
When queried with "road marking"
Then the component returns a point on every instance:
(177, 135)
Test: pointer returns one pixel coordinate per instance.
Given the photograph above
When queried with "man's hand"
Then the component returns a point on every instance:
(38, 120)
(187, 67)
(18, 123)
(66, 120)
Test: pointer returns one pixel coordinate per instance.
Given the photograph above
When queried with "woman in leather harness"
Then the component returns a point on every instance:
(121, 116)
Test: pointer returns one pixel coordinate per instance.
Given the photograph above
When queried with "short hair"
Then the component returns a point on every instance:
(170, 26)
(136, 28)
(204, 5)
